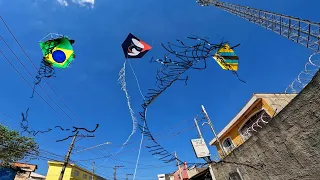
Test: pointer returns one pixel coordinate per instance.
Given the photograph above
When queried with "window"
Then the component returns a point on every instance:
(76, 173)
(90, 177)
(228, 145)
(84, 176)
(234, 176)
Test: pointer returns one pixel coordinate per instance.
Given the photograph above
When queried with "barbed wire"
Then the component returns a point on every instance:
(306, 75)
(281, 100)
(278, 101)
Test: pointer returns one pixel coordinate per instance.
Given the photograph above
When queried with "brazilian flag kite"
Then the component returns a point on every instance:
(58, 52)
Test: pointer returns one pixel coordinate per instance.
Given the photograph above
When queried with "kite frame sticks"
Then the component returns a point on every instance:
(187, 57)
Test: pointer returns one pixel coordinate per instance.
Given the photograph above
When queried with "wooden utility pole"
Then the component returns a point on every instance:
(66, 161)
(115, 171)
(128, 175)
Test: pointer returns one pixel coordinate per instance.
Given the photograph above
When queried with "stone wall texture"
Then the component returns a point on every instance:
(288, 148)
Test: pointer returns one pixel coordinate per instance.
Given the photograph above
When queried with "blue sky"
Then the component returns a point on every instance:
(268, 62)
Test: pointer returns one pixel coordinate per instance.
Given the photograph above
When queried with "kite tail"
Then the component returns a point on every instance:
(235, 73)
(122, 81)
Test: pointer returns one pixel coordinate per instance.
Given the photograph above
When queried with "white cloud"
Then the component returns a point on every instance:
(63, 2)
(84, 2)
(80, 2)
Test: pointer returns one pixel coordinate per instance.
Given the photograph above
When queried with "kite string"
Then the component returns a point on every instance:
(138, 84)
(142, 134)
(122, 81)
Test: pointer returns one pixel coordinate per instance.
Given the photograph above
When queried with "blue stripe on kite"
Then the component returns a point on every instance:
(231, 61)
(227, 54)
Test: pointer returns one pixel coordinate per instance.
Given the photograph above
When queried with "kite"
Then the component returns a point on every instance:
(57, 52)
(227, 58)
(133, 47)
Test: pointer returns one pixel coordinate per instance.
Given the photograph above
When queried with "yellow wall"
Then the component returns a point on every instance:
(55, 169)
(81, 173)
(233, 132)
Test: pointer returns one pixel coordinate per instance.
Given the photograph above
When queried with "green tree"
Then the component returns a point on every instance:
(14, 147)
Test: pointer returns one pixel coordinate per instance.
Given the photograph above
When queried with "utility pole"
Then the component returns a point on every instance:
(128, 175)
(175, 154)
(211, 126)
(199, 132)
(68, 156)
(207, 159)
(92, 170)
(115, 171)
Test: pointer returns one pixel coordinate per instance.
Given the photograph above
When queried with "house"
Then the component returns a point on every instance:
(7, 173)
(72, 172)
(182, 171)
(165, 177)
(204, 174)
(186, 173)
(26, 170)
(17, 171)
(36, 176)
(252, 117)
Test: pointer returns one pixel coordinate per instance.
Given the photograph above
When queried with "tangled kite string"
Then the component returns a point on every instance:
(25, 125)
(187, 57)
(25, 128)
(45, 71)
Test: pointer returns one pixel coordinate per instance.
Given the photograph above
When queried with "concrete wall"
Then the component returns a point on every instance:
(288, 148)
(22, 175)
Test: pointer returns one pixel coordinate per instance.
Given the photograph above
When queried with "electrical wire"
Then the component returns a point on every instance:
(34, 78)
(37, 68)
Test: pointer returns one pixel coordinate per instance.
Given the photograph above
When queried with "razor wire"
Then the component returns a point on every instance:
(281, 100)
(186, 57)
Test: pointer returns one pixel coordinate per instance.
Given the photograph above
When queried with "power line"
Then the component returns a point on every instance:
(34, 78)
(37, 68)
(28, 83)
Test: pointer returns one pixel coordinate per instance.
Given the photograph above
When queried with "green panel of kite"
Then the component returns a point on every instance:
(58, 52)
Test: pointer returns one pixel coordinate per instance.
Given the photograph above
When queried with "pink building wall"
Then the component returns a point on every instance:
(184, 172)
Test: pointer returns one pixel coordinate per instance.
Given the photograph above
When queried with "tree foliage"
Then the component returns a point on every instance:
(14, 147)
